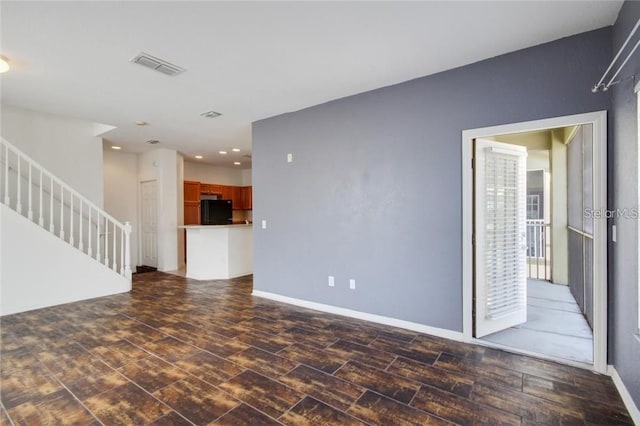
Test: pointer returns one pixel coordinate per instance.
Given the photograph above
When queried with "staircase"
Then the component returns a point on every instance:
(56, 245)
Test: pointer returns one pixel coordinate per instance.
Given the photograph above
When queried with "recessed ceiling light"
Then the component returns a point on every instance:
(141, 123)
(4, 64)
(199, 157)
(153, 141)
(236, 163)
(236, 150)
(222, 152)
(116, 147)
(210, 114)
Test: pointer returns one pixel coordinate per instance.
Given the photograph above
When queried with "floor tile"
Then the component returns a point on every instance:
(171, 419)
(332, 390)
(380, 381)
(460, 410)
(343, 349)
(201, 346)
(314, 356)
(529, 407)
(502, 376)
(245, 415)
(268, 342)
(458, 384)
(263, 362)
(152, 373)
(171, 349)
(312, 412)
(412, 351)
(54, 409)
(126, 405)
(379, 410)
(306, 336)
(91, 379)
(210, 368)
(196, 400)
(261, 392)
(21, 385)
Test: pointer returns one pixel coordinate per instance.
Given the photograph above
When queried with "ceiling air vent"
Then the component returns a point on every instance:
(156, 64)
(211, 114)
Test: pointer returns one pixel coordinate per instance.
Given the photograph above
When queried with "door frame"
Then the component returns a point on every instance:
(599, 121)
(140, 232)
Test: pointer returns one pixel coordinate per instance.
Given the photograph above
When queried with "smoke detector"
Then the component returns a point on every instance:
(157, 64)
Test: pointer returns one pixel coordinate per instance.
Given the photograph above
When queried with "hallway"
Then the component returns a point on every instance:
(555, 326)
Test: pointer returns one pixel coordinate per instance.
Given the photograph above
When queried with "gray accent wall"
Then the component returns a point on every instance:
(624, 343)
(374, 191)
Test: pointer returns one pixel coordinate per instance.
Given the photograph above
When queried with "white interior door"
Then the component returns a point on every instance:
(149, 226)
(500, 236)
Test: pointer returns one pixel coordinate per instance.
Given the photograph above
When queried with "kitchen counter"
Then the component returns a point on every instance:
(219, 251)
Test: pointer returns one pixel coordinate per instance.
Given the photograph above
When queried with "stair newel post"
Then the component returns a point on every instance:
(52, 227)
(71, 212)
(30, 209)
(62, 212)
(113, 241)
(90, 247)
(19, 182)
(6, 175)
(127, 250)
(81, 225)
(40, 206)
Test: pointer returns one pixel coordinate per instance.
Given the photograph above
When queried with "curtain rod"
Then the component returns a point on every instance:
(603, 87)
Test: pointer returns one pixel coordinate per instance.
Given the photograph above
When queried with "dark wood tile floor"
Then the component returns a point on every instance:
(175, 351)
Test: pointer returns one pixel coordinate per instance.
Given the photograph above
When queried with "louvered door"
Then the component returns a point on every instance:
(500, 236)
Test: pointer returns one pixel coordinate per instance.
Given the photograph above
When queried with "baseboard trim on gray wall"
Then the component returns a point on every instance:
(394, 322)
(624, 393)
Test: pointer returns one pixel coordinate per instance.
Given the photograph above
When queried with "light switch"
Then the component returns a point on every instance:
(614, 233)
(264, 224)
(289, 158)
(352, 284)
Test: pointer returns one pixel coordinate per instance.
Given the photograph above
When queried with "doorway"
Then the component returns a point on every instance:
(526, 278)
(149, 223)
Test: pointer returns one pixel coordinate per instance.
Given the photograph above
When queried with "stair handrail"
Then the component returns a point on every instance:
(125, 228)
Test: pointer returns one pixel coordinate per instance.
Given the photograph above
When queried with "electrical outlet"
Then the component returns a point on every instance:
(352, 284)
(264, 224)
(332, 281)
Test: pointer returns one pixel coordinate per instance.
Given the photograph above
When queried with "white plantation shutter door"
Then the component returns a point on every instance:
(501, 282)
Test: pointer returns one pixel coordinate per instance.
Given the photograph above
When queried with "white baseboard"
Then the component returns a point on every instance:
(421, 328)
(624, 393)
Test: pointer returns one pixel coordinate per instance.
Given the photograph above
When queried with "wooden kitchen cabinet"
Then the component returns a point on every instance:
(236, 197)
(192, 191)
(192, 212)
(211, 189)
(247, 197)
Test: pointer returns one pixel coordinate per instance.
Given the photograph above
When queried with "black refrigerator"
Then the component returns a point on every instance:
(216, 212)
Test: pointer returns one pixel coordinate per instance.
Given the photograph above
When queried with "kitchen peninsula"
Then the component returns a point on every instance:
(219, 251)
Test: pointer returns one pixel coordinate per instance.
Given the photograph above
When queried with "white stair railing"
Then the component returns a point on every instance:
(62, 211)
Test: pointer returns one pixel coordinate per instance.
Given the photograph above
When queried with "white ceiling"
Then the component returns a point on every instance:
(250, 60)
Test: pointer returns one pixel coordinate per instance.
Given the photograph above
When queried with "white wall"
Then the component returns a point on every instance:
(180, 207)
(121, 192)
(247, 178)
(207, 173)
(161, 165)
(67, 147)
(34, 270)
